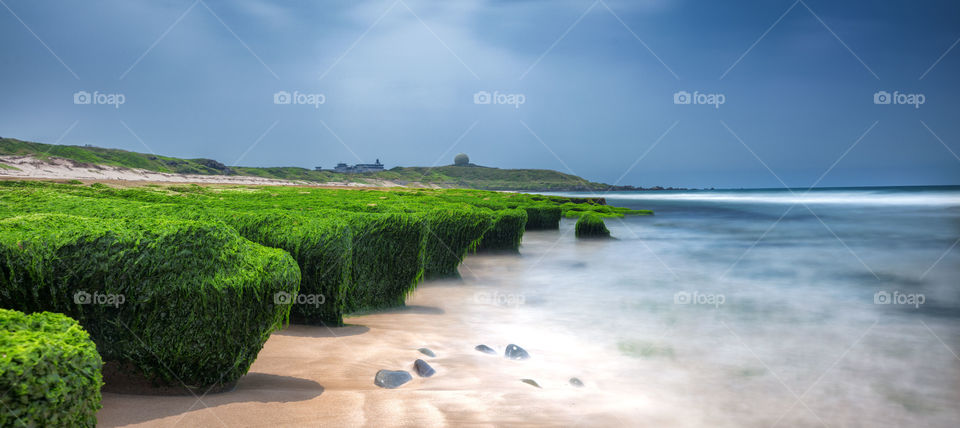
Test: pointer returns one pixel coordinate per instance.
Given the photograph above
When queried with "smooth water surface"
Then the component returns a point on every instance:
(836, 307)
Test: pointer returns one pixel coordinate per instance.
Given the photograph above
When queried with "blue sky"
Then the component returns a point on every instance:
(400, 81)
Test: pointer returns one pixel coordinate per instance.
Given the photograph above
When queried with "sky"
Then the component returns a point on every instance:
(672, 93)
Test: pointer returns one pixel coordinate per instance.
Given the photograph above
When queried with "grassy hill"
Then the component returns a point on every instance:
(471, 176)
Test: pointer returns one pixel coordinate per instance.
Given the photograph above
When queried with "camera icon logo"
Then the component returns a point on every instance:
(881, 97)
(482, 97)
(681, 97)
(881, 298)
(681, 298)
(282, 97)
(282, 298)
(82, 298)
(82, 97)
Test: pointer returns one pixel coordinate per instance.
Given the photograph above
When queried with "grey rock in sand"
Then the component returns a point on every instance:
(391, 379)
(515, 352)
(427, 352)
(531, 382)
(576, 382)
(485, 349)
(423, 369)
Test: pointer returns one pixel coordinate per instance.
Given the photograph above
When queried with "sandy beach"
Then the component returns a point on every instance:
(319, 376)
(309, 377)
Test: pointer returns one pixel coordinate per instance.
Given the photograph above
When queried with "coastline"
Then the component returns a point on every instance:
(314, 375)
(309, 375)
(29, 167)
(645, 358)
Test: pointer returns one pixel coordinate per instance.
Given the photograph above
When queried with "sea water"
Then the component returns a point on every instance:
(829, 307)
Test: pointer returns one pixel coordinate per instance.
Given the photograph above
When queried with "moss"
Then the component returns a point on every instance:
(388, 259)
(322, 247)
(49, 371)
(292, 219)
(183, 302)
(591, 226)
(452, 232)
(506, 233)
(543, 217)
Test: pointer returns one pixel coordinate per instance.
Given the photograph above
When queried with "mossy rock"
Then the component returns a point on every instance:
(591, 226)
(49, 371)
(452, 232)
(185, 303)
(322, 247)
(506, 233)
(543, 217)
(388, 259)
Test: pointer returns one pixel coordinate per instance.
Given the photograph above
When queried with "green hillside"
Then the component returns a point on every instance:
(468, 176)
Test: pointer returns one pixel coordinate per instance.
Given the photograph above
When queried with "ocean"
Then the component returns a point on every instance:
(836, 307)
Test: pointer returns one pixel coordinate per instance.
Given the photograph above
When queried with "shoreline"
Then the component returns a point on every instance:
(315, 375)
(309, 375)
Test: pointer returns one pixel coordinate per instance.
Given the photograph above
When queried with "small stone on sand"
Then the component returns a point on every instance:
(531, 382)
(391, 379)
(423, 369)
(485, 349)
(515, 352)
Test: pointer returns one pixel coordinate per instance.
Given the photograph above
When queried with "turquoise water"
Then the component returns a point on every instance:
(836, 307)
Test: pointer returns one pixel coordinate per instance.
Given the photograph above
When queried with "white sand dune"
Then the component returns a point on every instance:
(54, 168)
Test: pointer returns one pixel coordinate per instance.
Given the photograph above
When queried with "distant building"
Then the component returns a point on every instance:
(360, 167)
(369, 167)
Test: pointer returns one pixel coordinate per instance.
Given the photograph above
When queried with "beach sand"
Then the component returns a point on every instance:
(317, 376)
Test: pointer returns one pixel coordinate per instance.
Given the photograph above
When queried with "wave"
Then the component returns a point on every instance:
(856, 197)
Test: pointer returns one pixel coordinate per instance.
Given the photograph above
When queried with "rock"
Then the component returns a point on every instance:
(423, 369)
(427, 352)
(485, 349)
(391, 379)
(530, 382)
(576, 382)
(515, 352)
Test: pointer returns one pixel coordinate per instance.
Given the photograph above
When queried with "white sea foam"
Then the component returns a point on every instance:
(911, 198)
